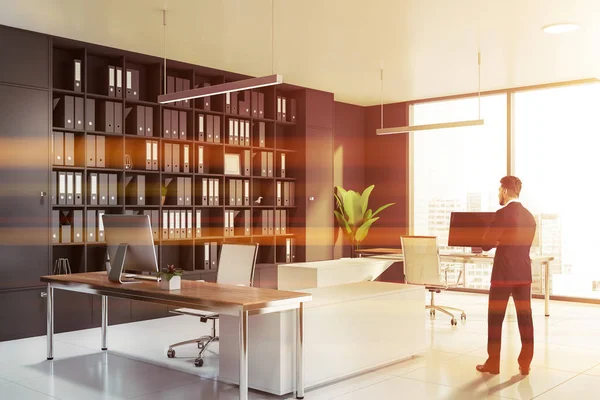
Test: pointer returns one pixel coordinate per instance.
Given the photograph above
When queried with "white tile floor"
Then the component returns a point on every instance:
(566, 363)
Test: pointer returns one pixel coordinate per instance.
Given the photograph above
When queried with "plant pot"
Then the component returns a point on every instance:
(172, 284)
(162, 200)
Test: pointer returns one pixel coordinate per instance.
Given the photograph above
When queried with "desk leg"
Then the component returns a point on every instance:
(104, 321)
(300, 351)
(50, 322)
(547, 288)
(243, 355)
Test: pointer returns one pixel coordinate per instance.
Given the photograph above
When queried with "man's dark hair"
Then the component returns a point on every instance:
(512, 184)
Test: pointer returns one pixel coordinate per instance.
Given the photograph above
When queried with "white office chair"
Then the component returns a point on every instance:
(236, 267)
(422, 267)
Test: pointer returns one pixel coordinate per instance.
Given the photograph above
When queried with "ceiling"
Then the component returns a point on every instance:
(428, 47)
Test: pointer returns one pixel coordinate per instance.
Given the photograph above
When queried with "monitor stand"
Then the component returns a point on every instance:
(476, 250)
(116, 265)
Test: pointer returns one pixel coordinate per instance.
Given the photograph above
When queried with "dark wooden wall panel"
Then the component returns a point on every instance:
(22, 314)
(319, 109)
(24, 57)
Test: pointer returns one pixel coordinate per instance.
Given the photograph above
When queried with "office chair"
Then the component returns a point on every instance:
(236, 267)
(422, 267)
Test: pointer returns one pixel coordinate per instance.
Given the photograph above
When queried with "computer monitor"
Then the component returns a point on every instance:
(130, 245)
(467, 229)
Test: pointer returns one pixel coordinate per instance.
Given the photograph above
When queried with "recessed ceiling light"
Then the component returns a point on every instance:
(560, 28)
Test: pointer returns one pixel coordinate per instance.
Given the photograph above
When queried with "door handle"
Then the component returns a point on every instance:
(43, 194)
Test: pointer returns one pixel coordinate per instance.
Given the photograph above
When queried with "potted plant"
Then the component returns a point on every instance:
(163, 194)
(170, 278)
(354, 215)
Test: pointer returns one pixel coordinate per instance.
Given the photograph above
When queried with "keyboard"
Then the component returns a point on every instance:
(143, 277)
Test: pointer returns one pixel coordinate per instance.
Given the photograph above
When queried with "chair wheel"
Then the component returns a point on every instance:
(198, 362)
(200, 346)
(171, 353)
(453, 322)
(463, 316)
(432, 313)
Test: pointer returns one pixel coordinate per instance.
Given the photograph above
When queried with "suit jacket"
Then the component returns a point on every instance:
(512, 231)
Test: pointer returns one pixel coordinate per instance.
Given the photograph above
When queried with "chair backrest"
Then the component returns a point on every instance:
(421, 260)
(237, 263)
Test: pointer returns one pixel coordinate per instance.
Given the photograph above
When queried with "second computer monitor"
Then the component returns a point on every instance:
(467, 229)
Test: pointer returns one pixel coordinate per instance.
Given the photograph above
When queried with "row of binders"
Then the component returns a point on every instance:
(176, 157)
(210, 192)
(140, 119)
(105, 116)
(67, 226)
(245, 103)
(286, 109)
(178, 224)
(210, 255)
(239, 132)
(175, 124)
(286, 192)
(180, 189)
(209, 128)
(114, 82)
(102, 188)
(154, 221)
(234, 225)
(274, 222)
(150, 159)
(238, 192)
(176, 84)
(63, 148)
(288, 252)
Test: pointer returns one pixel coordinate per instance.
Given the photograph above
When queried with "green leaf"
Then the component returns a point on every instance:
(339, 202)
(364, 198)
(361, 233)
(380, 209)
(341, 191)
(369, 214)
(353, 208)
(342, 222)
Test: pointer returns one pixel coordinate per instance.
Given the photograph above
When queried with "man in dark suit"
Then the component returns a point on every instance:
(512, 231)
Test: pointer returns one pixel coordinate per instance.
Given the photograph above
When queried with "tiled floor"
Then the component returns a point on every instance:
(566, 363)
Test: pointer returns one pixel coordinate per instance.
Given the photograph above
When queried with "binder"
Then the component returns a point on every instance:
(234, 102)
(90, 114)
(62, 187)
(118, 115)
(247, 222)
(100, 237)
(246, 192)
(174, 124)
(217, 129)
(112, 190)
(269, 164)
(186, 86)
(286, 194)
(100, 151)
(228, 103)
(110, 90)
(231, 197)
(283, 108)
(201, 127)
(283, 221)
(57, 138)
(180, 191)
(178, 88)
(78, 188)
(93, 189)
(172, 224)
(292, 196)
(148, 154)
(182, 125)
(187, 191)
(278, 193)
(209, 128)
(264, 223)
(242, 137)
(77, 226)
(292, 249)
(236, 134)
(90, 225)
(155, 155)
(183, 229)
(231, 123)
(270, 221)
(167, 124)
(211, 192)
(261, 134)
(149, 120)
(186, 158)
(246, 162)
(213, 255)
(140, 120)
(206, 100)
(226, 224)
(155, 223)
(261, 105)
(70, 188)
(175, 160)
(132, 84)
(254, 105)
(105, 116)
(55, 226)
(168, 157)
(54, 188)
(278, 108)
(292, 110)
(283, 165)
(177, 224)
(207, 255)
(65, 227)
(244, 106)
(77, 75)
(232, 222)
(198, 223)
(204, 191)
(288, 250)
(247, 134)
(165, 224)
(140, 190)
(263, 163)
(103, 189)
(277, 222)
(217, 193)
(200, 159)
(238, 192)
(64, 109)
(119, 82)
(189, 229)
(79, 121)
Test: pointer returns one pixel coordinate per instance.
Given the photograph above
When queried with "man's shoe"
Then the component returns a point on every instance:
(488, 368)
(524, 370)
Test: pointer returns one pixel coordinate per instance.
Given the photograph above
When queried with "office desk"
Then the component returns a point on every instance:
(396, 254)
(233, 300)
